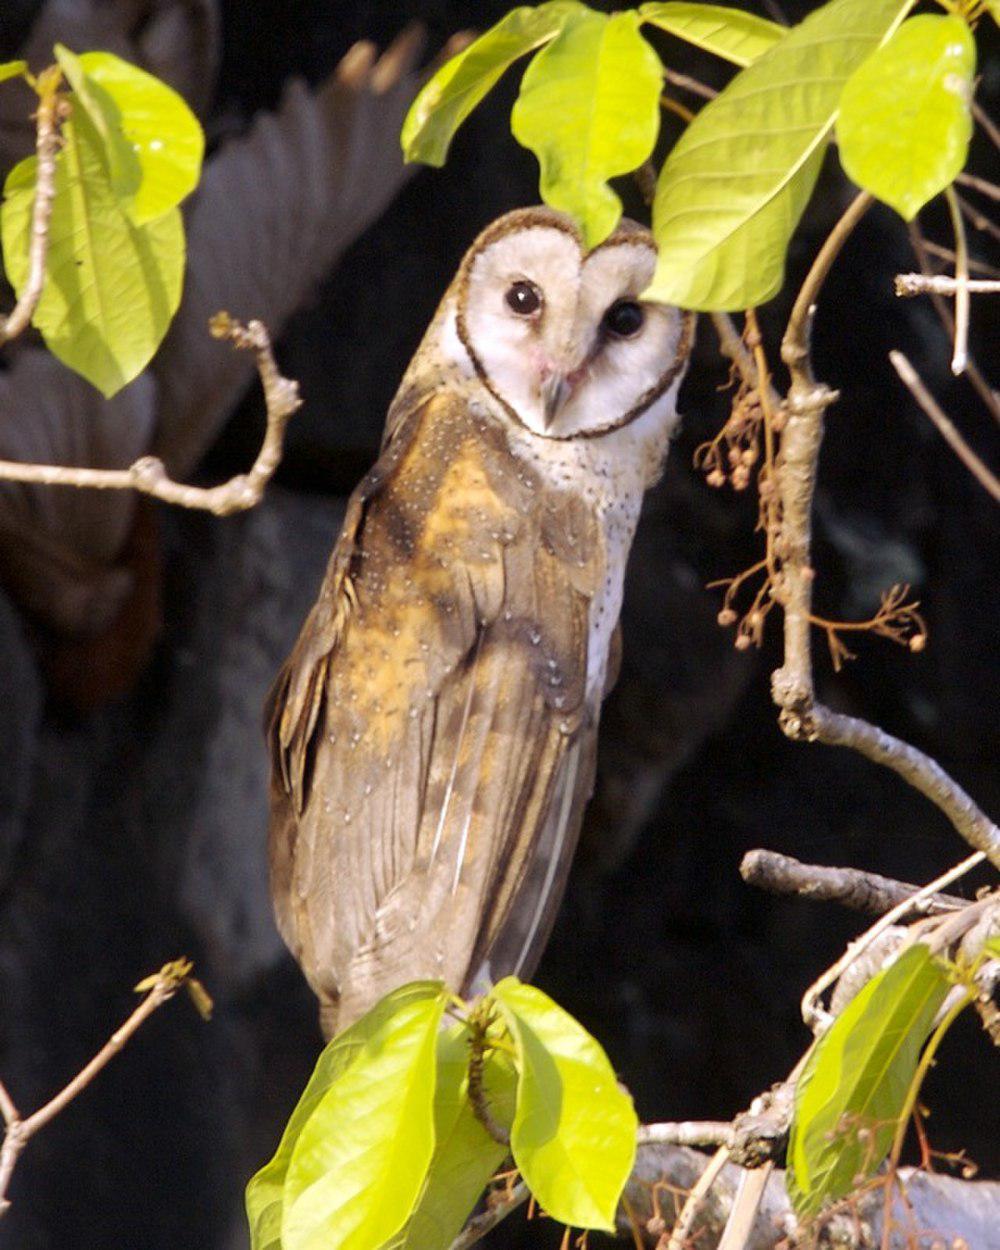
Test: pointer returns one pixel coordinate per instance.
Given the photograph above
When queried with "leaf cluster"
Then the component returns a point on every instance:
(396, 1134)
(130, 151)
(731, 191)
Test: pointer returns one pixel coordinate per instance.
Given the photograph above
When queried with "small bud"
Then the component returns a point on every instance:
(716, 478)
(726, 617)
(749, 456)
(656, 1225)
(778, 422)
(741, 642)
(741, 477)
(918, 642)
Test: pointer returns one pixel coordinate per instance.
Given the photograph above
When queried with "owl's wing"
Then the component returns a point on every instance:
(432, 735)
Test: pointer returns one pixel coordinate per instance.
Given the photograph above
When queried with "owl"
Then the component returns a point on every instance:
(433, 732)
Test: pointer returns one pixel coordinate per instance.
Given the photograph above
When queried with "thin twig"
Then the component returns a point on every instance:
(148, 475)
(851, 887)
(976, 219)
(733, 348)
(987, 123)
(947, 254)
(982, 185)
(480, 1225)
(51, 109)
(686, 1133)
(972, 371)
(812, 1013)
(909, 284)
(960, 355)
(687, 83)
(922, 772)
(915, 385)
(689, 1212)
(19, 1132)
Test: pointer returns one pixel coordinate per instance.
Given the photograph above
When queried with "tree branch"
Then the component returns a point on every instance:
(972, 371)
(149, 476)
(910, 284)
(51, 110)
(17, 1133)
(953, 1209)
(860, 891)
(946, 428)
(800, 716)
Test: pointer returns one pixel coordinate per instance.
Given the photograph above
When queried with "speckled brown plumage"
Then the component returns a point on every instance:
(421, 777)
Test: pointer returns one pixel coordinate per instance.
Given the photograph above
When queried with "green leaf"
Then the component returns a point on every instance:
(358, 1165)
(265, 1192)
(158, 126)
(730, 33)
(12, 69)
(991, 948)
(852, 1090)
(459, 85)
(589, 109)
(732, 190)
(120, 161)
(111, 287)
(465, 1155)
(574, 1128)
(905, 118)
(151, 142)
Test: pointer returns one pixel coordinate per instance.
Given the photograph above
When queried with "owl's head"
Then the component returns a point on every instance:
(561, 336)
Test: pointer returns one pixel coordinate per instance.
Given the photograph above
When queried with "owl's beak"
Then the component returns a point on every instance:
(555, 390)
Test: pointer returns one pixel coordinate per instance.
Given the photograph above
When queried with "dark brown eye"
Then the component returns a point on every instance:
(524, 298)
(625, 318)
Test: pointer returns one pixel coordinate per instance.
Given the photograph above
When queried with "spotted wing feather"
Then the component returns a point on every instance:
(431, 735)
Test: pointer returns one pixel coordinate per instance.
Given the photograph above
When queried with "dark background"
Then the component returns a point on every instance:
(689, 978)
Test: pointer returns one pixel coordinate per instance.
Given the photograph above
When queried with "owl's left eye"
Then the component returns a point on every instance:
(524, 298)
(624, 318)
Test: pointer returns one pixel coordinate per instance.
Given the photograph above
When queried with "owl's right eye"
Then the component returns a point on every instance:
(523, 298)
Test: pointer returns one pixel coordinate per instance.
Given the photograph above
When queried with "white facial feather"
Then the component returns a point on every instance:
(603, 379)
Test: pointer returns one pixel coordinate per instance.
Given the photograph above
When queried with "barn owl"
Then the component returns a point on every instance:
(432, 733)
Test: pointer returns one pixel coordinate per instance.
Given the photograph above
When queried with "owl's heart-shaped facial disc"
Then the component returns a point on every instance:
(562, 337)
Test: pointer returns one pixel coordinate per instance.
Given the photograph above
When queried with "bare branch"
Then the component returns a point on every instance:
(914, 384)
(687, 83)
(692, 1206)
(981, 185)
(960, 356)
(972, 371)
(987, 123)
(163, 986)
(51, 110)
(860, 891)
(909, 284)
(947, 254)
(959, 1211)
(800, 716)
(812, 1013)
(480, 1225)
(922, 772)
(149, 476)
(686, 1133)
(976, 219)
